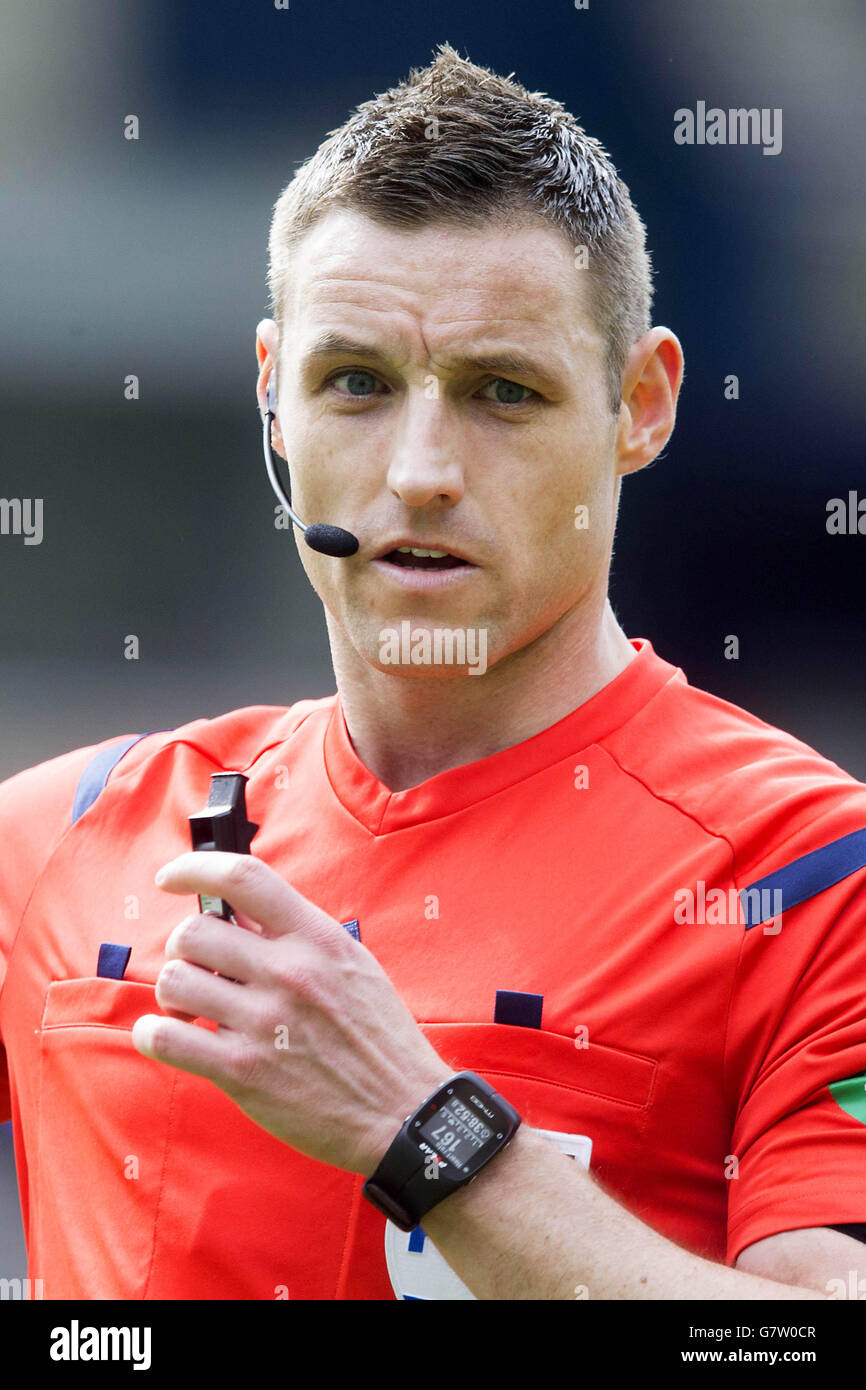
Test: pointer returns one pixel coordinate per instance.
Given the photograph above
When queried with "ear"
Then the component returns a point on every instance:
(651, 383)
(267, 355)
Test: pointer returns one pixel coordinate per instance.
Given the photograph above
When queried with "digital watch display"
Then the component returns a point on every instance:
(441, 1147)
(457, 1131)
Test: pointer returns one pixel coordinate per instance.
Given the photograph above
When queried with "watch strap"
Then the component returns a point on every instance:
(403, 1158)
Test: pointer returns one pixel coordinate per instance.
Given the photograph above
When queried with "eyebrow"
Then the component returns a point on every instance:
(330, 344)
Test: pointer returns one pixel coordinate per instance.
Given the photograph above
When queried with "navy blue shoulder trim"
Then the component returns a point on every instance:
(96, 773)
(803, 878)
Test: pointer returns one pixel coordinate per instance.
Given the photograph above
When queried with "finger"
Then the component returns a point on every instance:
(179, 1013)
(202, 994)
(183, 1045)
(214, 944)
(255, 888)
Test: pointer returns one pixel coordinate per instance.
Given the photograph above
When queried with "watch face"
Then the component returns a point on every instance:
(461, 1126)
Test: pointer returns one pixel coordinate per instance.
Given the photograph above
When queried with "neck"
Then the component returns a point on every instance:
(407, 729)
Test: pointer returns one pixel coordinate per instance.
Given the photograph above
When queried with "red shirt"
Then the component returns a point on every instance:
(551, 883)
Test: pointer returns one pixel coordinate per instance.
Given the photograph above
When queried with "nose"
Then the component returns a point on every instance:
(425, 462)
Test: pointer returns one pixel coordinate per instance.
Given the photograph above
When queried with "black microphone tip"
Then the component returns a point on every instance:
(331, 540)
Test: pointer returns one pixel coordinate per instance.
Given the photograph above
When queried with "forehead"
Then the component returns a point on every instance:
(513, 278)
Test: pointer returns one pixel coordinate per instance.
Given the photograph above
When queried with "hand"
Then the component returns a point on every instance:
(313, 1042)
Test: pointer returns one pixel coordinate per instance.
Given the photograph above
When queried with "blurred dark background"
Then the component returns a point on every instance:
(148, 257)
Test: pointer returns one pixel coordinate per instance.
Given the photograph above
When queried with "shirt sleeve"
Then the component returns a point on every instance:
(35, 813)
(798, 1050)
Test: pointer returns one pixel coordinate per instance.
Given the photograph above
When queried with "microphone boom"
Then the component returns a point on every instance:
(327, 540)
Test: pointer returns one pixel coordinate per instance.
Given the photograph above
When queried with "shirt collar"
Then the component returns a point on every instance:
(381, 810)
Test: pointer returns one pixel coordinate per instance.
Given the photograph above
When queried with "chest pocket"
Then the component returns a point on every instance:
(550, 1079)
(103, 1126)
(591, 1103)
(600, 1091)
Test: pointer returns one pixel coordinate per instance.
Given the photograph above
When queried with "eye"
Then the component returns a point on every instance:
(357, 380)
(506, 391)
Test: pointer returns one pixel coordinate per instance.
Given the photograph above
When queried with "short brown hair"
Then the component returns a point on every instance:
(496, 149)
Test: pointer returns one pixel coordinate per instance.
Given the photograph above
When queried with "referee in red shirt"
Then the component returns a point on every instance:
(545, 977)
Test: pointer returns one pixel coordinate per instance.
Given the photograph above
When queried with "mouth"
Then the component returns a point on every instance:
(422, 558)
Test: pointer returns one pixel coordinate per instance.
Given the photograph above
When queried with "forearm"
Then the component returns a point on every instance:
(535, 1225)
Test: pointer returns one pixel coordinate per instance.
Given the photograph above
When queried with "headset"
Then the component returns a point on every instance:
(328, 540)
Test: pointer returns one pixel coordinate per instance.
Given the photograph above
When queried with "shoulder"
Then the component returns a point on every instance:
(40, 803)
(234, 740)
(773, 797)
(35, 814)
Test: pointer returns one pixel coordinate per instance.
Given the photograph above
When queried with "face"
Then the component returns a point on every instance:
(465, 411)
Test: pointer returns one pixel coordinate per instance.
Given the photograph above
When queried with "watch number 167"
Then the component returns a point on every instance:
(447, 1138)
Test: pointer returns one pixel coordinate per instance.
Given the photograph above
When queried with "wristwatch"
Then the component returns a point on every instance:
(440, 1148)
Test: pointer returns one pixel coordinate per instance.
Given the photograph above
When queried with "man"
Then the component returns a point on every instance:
(632, 910)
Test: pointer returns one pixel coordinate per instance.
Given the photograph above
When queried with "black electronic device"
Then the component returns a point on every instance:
(223, 824)
(440, 1148)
